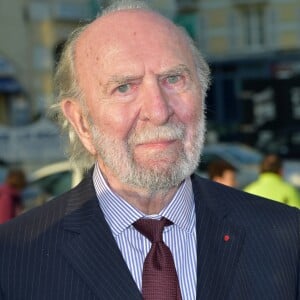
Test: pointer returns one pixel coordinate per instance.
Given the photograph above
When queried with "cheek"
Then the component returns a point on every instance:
(114, 122)
(189, 111)
(187, 103)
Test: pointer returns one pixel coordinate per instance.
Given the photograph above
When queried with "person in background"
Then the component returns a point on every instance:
(270, 183)
(141, 225)
(222, 172)
(10, 195)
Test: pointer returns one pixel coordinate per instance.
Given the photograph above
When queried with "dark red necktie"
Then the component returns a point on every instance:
(160, 280)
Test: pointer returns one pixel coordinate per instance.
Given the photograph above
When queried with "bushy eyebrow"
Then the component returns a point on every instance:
(179, 69)
(123, 79)
(118, 80)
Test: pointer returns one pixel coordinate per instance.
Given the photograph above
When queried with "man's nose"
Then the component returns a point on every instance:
(156, 104)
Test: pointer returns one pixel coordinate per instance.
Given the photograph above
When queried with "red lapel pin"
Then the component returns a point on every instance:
(226, 238)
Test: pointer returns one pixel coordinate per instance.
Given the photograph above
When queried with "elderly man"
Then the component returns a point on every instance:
(131, 88)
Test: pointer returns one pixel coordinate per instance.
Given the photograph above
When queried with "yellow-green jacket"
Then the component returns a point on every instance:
(272, 186)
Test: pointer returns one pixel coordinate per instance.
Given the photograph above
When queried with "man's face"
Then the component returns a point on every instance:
(143, 100)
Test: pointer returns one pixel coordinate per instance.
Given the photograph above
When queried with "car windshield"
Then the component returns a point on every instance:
(243, 155)
(56, 184)
(238, 154)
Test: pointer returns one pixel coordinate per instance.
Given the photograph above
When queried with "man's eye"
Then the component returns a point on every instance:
(173, 79)
(123, 88)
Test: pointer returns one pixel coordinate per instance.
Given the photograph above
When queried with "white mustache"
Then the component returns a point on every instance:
(165, 132)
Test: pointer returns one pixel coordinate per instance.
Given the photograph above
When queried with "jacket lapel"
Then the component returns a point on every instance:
(95, 256)
(93, 251)
(219, 242)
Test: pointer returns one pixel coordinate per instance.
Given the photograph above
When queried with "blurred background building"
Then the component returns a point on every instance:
(253, 48)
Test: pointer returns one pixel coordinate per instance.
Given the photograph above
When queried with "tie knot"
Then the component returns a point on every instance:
(152, 229)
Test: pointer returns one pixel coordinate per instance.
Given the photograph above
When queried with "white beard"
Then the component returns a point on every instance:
(119, 157)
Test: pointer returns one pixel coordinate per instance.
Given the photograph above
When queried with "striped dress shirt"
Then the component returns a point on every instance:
(180, 237)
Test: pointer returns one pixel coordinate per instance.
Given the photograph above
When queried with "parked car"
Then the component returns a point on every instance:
(245, 159)
(49, 182)
(291, 172)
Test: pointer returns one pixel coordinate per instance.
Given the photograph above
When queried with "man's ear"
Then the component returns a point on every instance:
(73, 112)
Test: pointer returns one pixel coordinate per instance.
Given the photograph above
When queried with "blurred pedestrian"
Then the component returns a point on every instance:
(222, 172)
(140, 225)
(270, 183)
(10, 195)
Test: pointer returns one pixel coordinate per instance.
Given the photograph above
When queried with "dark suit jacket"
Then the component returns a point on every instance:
(65, 250)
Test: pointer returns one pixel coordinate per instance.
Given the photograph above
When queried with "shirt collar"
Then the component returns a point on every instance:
(120, 215)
